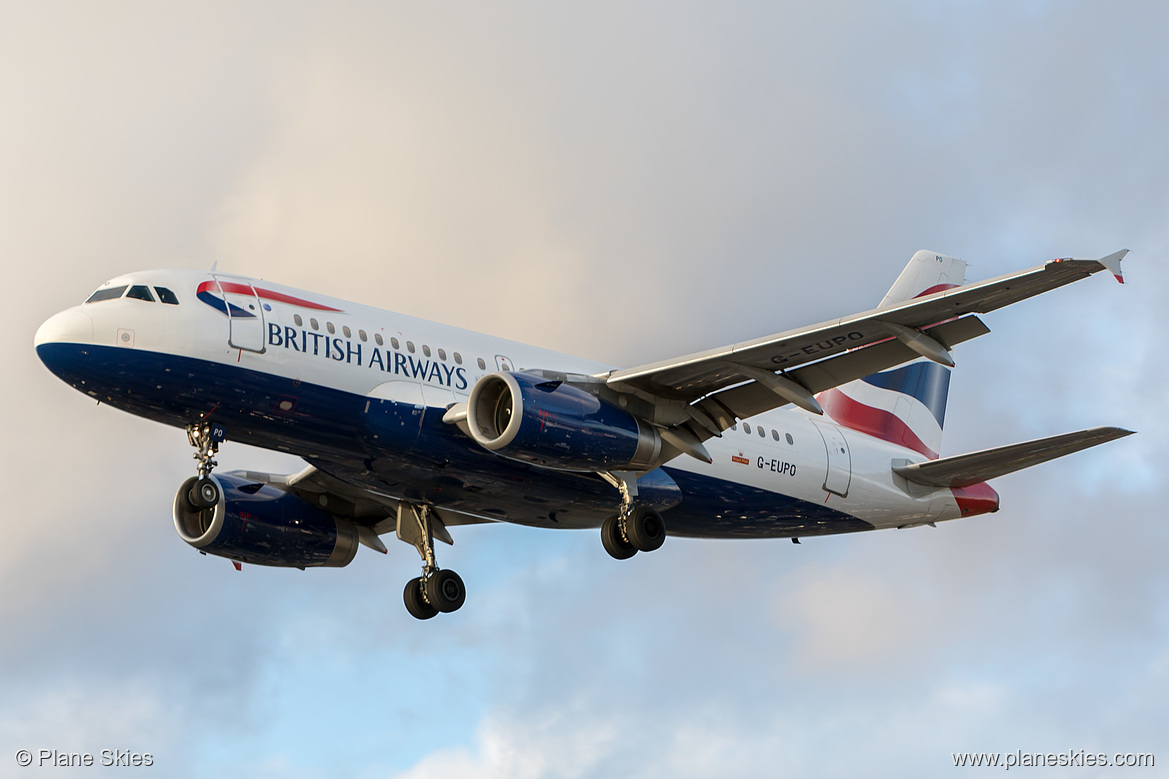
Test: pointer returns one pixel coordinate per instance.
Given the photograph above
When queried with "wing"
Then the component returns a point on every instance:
(709, 390)
(372, 512)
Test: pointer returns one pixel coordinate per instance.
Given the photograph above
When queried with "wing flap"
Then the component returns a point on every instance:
(968, 469)
(367, 507)
(747, 400)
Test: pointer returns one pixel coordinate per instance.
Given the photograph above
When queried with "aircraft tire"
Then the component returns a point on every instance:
(614, 543)
(445, 591)
(415, 603)
(646, 529)
(204, 494)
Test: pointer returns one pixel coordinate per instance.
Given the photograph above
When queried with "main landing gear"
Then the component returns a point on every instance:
(205, 437)
(634, 528)
(436, 590)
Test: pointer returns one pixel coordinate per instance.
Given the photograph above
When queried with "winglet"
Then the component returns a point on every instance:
(1112, 264)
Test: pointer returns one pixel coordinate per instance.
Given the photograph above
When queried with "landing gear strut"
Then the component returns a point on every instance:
(634, 528)
(205, 437)
(436, 590)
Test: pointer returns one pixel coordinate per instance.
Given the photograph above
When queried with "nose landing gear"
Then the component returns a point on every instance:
(205, 437)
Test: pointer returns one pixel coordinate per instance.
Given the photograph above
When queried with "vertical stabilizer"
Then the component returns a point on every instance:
(905, 405)
(927, 272)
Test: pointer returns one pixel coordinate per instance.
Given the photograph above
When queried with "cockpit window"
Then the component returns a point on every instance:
(140, 292)
(166, 296)
(109, 293)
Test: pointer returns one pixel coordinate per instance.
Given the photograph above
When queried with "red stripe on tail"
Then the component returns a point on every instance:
(871, 421)
(935, 288)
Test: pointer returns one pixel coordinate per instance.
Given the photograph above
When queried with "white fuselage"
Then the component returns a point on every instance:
(302, 339)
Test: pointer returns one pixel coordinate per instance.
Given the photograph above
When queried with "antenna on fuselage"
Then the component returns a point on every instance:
(214, 265)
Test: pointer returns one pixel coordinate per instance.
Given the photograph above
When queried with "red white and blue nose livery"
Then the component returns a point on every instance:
(227, 297)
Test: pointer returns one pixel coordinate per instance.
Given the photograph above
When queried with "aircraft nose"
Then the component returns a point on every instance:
(71, 326)
(63, 342)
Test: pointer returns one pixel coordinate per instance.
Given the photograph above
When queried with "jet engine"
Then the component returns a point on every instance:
(259, 524)
(525, 416)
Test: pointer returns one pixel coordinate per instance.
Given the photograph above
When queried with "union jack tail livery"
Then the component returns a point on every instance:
(907, 405)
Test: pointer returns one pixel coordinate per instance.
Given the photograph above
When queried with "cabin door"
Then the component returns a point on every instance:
(839, 474)
(245, 315)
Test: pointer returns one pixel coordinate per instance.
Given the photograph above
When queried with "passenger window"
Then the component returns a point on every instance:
(313, 324)
(746, 428)
(441, 354)
(348, 333)
(299, 322)
(361, 335)
(140, 292)
(378, 337)
(426, 350)
(762, 433)
(111, 293)
(410, 346)
(329, 326)
(790, 440)
(394, 343)
(734, 427)
(775, 434)
(482, 365)
(166, 296)
(458, 359)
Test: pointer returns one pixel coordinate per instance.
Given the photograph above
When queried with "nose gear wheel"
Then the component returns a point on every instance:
(205, 437)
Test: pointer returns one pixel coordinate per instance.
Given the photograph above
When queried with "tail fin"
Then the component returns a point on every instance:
(927, 272)
(905, 405)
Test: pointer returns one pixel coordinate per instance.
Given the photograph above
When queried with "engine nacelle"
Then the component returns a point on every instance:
(527, 417)
(262, 525)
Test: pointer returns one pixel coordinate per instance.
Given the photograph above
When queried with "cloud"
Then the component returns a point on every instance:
(553, 747)
(842, 618)
(92, 719)
(625, 183)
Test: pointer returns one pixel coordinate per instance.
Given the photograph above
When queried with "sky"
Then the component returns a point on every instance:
(625, 182)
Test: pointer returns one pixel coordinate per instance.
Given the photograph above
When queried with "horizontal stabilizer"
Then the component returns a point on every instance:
(967, 469)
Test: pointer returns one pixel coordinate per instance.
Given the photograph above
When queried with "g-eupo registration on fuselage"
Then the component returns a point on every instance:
(414, 427)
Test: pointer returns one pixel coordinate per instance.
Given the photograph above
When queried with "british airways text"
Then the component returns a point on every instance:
(344, 350)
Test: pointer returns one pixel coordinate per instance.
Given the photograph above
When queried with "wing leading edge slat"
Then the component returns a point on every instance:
(747, 400)
(698, 375)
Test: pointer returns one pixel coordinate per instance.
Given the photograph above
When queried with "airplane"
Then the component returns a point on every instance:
(413, 427)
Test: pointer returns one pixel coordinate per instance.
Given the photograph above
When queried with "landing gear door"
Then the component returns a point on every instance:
(245, 315)
(839, 474)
